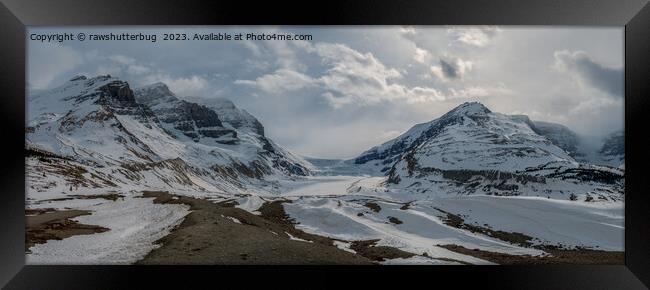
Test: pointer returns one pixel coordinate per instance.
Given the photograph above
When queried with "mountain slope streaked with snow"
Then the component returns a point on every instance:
(99, 131)
(472, 150)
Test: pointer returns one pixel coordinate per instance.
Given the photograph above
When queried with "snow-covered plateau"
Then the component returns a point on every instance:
(471, 178)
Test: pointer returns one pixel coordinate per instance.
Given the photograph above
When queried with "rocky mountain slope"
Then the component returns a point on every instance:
(99, 133)
(474, 150)
(471, 137)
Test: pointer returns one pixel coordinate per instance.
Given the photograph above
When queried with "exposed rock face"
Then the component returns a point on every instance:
(119, 91)
(202, 116)
(190, 119)
(197, 121)
(218, 120)
(228, 113)
(248, 127)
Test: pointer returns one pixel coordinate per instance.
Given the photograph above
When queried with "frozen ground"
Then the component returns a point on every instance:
(337, 207)
(334, 206)
(135, 223)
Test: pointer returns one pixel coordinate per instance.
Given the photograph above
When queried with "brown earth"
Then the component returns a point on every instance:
(369, 250)
(209, 235)
(556, 256)
(220, 233)
(511, 237)
(394, 220)
(373, 206)
(107, 196)
(50, 224)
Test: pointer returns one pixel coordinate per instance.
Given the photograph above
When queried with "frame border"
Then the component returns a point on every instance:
(633, 14)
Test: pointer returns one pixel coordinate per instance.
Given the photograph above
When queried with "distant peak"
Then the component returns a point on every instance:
(474, 104)
(472, 108)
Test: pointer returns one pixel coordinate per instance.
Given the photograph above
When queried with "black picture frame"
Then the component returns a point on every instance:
(634, 15)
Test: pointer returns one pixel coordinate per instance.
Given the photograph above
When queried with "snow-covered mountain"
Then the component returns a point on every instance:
(183, 119)
(471, 149)
(99, 133)
(252, 131)
(471, 137)
(605, 151)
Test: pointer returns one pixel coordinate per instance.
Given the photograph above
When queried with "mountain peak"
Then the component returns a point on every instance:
(81, 88)
(469, 137)
(471, 108)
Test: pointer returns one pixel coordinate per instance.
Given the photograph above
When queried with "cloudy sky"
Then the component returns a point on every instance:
(351, 88)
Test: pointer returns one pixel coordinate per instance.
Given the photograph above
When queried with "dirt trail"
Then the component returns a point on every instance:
(219, 233)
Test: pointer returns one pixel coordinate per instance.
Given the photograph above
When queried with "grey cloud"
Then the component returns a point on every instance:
(280, 81)
(451, 68)
(589, 72)
(341, 93)
(475, 36)
(49, 61)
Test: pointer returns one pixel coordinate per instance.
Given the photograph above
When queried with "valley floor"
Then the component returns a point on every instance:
(321, 220)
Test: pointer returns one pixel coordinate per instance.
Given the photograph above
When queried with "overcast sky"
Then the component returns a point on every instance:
(351, 88)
